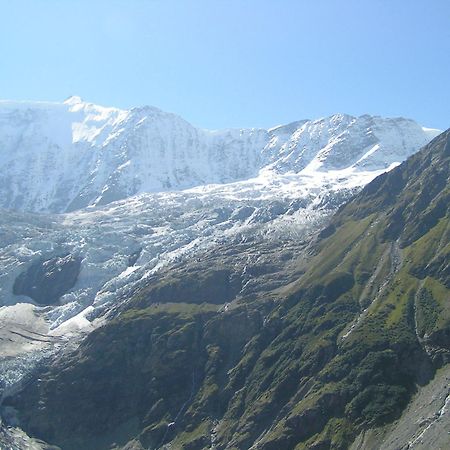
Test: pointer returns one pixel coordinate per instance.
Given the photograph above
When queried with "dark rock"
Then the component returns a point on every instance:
(327, 231)
(46, 280)
(134, 257)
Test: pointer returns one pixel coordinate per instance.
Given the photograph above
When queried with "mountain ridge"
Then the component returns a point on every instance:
(101, 154)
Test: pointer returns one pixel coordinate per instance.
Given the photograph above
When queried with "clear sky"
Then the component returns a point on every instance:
(233, 63)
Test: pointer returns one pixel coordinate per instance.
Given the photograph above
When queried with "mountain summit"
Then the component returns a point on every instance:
(60, 157)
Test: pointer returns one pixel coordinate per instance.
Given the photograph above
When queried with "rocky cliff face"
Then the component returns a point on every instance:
(45, 281)
(315, 361)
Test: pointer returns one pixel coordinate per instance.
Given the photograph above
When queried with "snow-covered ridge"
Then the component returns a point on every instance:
(57, 157)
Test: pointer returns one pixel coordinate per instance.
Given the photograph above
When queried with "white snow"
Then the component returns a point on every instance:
(56, 157)
(178, 189)
(75, 324)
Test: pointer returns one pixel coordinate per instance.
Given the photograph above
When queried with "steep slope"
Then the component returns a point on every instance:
(59, 157)
(309, 364)
(87, 264)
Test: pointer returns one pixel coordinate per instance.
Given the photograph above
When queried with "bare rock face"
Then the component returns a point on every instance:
(45, 281)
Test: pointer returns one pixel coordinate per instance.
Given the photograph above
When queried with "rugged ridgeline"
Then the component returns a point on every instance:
(330, 358)
(272, 184)
(59, 157)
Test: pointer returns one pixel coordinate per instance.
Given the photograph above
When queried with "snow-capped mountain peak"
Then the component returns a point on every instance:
(73, 100)
(60, 157)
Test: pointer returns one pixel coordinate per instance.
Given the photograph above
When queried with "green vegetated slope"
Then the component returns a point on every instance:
(340, 350)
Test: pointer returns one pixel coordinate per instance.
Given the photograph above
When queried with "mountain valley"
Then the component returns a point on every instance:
(167, 287)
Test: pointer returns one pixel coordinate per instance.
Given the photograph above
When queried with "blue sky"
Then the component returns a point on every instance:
(233, 63)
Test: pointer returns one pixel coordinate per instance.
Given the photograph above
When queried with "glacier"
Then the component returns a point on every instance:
(104, 184)
(132, 192)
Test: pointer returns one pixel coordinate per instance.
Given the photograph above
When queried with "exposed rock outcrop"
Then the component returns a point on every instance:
(46, 280)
